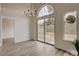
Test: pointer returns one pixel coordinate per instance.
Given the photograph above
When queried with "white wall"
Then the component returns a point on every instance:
(21, 28)
(0, 30)
(33, 28)
(0, 26)
(23, 24)
(7, 28)
(17, 28)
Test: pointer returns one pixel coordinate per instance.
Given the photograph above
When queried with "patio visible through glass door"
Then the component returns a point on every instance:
(46, 30)
(41, 30)
(49, 30)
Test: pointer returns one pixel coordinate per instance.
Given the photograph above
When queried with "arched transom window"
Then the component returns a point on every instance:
(46, 10)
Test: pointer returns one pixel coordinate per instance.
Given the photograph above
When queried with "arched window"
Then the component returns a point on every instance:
(46, 10)
(70, 26)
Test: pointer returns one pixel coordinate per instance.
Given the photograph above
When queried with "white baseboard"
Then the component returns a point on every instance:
(70, 52)
(17, 41)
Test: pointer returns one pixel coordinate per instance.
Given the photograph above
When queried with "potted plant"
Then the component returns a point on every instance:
(76, 44)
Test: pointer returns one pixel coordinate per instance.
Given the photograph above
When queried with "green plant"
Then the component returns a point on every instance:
(71, 19)
(76, 44)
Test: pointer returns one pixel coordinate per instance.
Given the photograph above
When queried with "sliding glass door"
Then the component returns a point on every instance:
(46, 30)
(49, 30)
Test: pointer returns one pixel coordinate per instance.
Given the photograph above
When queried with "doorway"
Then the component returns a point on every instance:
(46, 30)
(45, 24)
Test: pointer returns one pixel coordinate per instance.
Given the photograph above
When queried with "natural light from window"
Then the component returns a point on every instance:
(70, 26)
(46, 10)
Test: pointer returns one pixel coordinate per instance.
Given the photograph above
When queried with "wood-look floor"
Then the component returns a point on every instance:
(30, 48)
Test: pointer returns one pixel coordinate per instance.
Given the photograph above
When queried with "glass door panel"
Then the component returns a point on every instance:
(41, 30)
(49, 30)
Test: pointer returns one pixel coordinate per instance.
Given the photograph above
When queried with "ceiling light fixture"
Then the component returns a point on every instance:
(30, 12)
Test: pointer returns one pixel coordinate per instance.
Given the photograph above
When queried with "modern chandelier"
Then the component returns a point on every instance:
(30, 12)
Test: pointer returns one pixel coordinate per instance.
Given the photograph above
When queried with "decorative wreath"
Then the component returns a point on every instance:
(71, 19)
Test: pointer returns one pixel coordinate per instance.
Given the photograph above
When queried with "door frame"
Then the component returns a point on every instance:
(44, 17)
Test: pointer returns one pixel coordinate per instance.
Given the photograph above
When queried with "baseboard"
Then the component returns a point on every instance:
(32, 40)
(65, 51)
(17, 41)
(22, 41)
